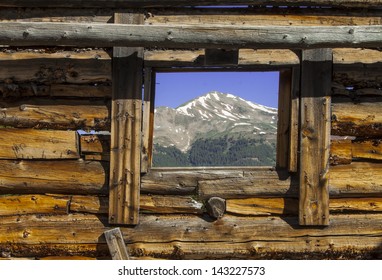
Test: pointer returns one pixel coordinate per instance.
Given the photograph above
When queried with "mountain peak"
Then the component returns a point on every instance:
(212, 114)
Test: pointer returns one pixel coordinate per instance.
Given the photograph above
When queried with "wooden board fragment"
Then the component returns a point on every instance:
(125, 152)
(55, 114)
(316, 79)
(53, 176)
(116, 244)
(38, 144)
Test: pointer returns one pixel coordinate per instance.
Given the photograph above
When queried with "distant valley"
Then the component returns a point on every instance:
(215, 129)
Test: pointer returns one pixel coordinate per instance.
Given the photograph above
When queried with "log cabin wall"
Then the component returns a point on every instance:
(54, 182)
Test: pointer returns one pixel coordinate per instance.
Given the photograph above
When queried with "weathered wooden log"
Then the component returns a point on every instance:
(343, 151)
(60, 177)
(38, 144)
(358, 75)
(74, 14)
(261, 182)
(16, 90)
(60, 67)
(34, 204)
(180, 3)
(289, 206)
(280, 17)
(361, 119)
(355, 178)
(55, 114)
(180, 36)
(182, 181)
(248, 235)
(160, 204)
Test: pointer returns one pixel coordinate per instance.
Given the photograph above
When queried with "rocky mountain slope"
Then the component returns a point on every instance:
(206, 120)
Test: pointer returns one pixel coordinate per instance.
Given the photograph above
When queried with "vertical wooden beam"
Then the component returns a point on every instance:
(126, 116)
(316, 77)
(283, 118)
(148, 119)
(294, 120)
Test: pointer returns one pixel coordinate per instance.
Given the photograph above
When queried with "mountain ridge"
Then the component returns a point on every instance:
(213, 115)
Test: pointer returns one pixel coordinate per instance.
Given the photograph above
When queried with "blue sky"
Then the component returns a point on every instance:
(174, 89)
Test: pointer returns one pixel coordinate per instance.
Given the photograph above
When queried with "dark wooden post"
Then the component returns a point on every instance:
(316, 77)
(126, 116)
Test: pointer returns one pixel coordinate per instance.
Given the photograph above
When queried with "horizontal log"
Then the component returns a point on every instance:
(75, 14)
(273, 17)
(262, 182)
(83, 177)
(345, 150)
(172, 234)
(361, 119)
(38, 144)
(355, 179)
(55, 114)
(359, 75)
(181, 36)
(182, 181)
(33, 204)
(180, 3)
(157, 204)
(148, 204)
(19, 90)
(81, 67)
(289, 206)
(58, 177)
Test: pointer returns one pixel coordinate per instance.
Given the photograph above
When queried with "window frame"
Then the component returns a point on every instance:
(288, 114)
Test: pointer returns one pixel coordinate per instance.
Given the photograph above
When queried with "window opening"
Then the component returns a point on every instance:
(215, 119)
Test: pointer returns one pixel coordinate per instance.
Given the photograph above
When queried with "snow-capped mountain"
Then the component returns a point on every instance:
(214, 114)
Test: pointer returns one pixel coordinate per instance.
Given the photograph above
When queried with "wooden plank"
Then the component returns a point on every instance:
(316, 83)
(294, 121)
(31, 89)
(58, 177)
(368, 179)
(34, 204)
(180, 3)
(74, 14)
(160, 204)
(358, 75)
(155, 235)
(283, 124)
(289, 206)
(181, 36)
(148, 120)
(38, 144)
(55, 114)
(116, 244)
(360, 119)
(343, 151)
(82, 67)
(265, 16)
(125, 152)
